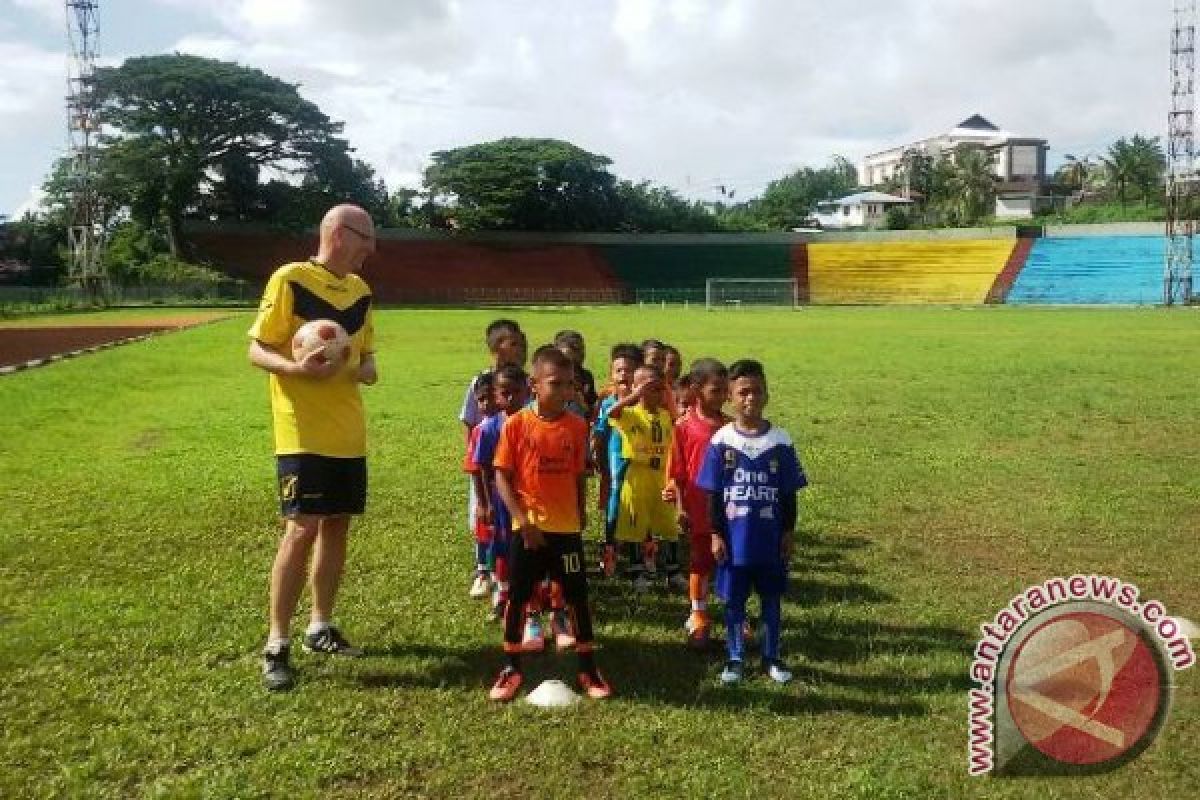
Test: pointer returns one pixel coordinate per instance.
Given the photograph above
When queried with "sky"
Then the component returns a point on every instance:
(692, 94)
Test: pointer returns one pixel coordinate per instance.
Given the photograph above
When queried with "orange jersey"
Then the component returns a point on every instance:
(545, 459)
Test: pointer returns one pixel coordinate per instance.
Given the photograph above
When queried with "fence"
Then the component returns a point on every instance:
(66, 297)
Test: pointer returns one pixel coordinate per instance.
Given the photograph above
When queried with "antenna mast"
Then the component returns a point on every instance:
(1181, 149)
(85, 234)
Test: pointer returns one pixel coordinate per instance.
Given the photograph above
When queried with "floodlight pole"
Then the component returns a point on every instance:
(85, 234)
(1181, 144)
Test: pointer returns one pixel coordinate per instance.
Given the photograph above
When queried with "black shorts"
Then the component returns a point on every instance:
(562, 558)
(321, 485)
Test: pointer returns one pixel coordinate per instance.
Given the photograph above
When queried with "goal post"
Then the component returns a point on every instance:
(736, 293)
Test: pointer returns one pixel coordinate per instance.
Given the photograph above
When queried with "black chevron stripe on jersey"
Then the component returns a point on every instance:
(308, 306)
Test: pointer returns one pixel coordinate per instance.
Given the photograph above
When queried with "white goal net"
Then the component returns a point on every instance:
(736, 293)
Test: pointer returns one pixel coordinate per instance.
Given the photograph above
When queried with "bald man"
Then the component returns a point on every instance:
(320, 430)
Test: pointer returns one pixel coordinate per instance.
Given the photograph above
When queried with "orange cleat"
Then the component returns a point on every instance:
(697, 628)
(506, 685)
(594, 685)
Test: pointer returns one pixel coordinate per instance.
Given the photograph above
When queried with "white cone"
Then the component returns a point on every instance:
(552, 694)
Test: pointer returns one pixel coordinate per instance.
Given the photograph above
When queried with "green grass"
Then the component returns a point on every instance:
(956, 457)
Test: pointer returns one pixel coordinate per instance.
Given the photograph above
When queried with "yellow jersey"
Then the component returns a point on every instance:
(322, 417)
(645, 443)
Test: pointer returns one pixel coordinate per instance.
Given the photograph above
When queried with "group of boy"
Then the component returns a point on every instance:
(670, 462)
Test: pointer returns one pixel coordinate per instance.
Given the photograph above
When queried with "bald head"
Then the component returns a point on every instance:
(347, 238)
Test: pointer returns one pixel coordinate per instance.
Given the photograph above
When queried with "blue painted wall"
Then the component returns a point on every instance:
(1095, 269)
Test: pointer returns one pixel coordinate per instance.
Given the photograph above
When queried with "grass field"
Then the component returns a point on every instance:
(956, 457)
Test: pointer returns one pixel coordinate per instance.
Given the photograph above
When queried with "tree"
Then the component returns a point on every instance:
(645, 208)
(972, 186)
(1076, 172)
(525, 184)
(789, 201)
(183, 122)
(1136, 162)
(38, 241)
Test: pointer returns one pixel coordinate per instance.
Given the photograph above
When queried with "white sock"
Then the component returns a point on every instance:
(274, 644)
(316, 626)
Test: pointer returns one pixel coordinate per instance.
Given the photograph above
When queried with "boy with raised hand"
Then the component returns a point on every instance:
(506, 343)
(606, 445)
(752, 474)
(541, 463)
(708, 383)
(644, 519)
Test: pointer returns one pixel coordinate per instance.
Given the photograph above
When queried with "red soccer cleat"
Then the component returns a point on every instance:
(594, 686)
(506, 685)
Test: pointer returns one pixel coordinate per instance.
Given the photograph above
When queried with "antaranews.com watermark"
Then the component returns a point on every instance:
(1073, 676)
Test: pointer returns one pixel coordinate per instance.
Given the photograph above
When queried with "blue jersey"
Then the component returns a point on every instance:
(617, 463)
(612, 439)
(483, 454)
(752, 473)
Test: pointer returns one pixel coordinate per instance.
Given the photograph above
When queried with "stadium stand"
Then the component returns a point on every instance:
(689, 265)
(1092, 270)
(951, 272)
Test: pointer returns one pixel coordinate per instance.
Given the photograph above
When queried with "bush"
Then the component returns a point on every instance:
(136, 256)
(897, 219)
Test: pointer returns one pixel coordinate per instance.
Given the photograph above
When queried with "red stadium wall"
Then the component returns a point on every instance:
(799, 256)
(424, 270)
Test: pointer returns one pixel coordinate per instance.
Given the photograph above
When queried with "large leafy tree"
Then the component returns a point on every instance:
(187, 124)
(525, 184)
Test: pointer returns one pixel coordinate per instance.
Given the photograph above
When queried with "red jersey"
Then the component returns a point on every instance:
(693, 433)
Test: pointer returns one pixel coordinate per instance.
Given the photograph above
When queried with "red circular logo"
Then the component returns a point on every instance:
(1085, 688)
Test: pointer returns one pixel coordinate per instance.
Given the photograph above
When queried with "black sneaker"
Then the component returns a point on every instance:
(331, 642)
(277, 673)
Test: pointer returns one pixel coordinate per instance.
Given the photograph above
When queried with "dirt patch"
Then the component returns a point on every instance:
(33, 344)
(149, 321)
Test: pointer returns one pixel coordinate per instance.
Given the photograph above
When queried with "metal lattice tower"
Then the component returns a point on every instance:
(85, 232)
(1181, 151)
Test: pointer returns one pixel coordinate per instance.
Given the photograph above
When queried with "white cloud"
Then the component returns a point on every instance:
(691, 93)
(48, 10)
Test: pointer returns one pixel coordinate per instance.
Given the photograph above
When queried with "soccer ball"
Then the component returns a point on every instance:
(325, 336)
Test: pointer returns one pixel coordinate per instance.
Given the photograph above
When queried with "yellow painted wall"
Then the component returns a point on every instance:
(905, 272)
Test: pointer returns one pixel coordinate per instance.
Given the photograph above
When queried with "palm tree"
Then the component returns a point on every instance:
(1076, 171)
(973, 185)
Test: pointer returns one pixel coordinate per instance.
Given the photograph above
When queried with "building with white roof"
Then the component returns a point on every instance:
(862, 210)
(1020, 162)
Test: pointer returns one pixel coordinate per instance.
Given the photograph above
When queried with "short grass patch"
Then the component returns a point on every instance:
(956, 457)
